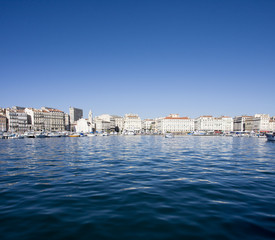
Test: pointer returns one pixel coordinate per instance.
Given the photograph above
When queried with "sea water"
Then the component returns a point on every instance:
(137, 187)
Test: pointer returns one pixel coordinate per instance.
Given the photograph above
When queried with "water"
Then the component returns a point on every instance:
(137, 187)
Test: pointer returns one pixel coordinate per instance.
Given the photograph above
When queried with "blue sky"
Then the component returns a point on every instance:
(148, 57)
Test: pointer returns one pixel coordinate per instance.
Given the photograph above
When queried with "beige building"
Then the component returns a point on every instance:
(148, 125)
(258, 123)
(272, 124)
(119, 122)
(17, 120)
(176, 124)
(132, 123)
(210, 123)
(36, 119)
(54, 119)
(3, 123)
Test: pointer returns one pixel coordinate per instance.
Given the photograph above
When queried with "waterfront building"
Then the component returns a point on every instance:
(272, 124)
(35, 119)
(119, 123)
(101, 125)
(67, 122)
(17, 120)
(132, 123)
(210, 123)
(75, 114)
(258, 123)
(104, 123)
(148, 125)
(83, 125)
(3, 123)
(176, 124)
(90, 117)
(54, 119)
(239, 123)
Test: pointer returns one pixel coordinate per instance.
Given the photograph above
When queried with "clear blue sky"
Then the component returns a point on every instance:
(191, 57)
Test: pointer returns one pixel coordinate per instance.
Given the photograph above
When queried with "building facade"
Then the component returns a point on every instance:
(75, 114)
(54, 119)
(132, 123)
(17, 120)
(210, 123)
(3, 123)
(176, 124)
(83, 125)
(36, 117)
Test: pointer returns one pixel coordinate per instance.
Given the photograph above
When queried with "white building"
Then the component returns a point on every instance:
(36, 119)
(148, 125)
(176, 124)
(132, 123)
(83, 125)
(119, 123)
(17, 120)
(104, 123)
(210, 123)
(258, 123)
(272, 124)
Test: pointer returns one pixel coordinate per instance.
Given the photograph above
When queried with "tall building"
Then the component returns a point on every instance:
(67, 122)
(75, 114)
(90, 117)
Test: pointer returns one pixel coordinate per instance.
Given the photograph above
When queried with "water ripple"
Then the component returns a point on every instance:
(133, 187)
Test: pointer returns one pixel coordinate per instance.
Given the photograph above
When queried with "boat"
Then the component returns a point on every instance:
(15, 136)
(29, 134)
(91, 135)
(74, 135)
(54, 134)
(40, 135)
(270, 136)
(169, 135)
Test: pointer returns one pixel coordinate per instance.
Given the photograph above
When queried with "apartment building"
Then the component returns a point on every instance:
(176, 124)
(132, 123)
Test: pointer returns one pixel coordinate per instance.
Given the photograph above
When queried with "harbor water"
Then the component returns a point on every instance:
(137, 187)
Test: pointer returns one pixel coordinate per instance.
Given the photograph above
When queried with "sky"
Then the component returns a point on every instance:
(150, 57)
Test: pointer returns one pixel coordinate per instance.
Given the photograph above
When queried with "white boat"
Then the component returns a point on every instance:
(54, 134)
(16, 136)
(29, 134)
(104, 134)
(91, 135)
(270, 136)
(169, 135)
(39, 135)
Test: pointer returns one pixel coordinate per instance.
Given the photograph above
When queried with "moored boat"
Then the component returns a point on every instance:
(40, 135)
(74, 135)
(169, 135)
(54, 134)
(91, 135)
(270, 136)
